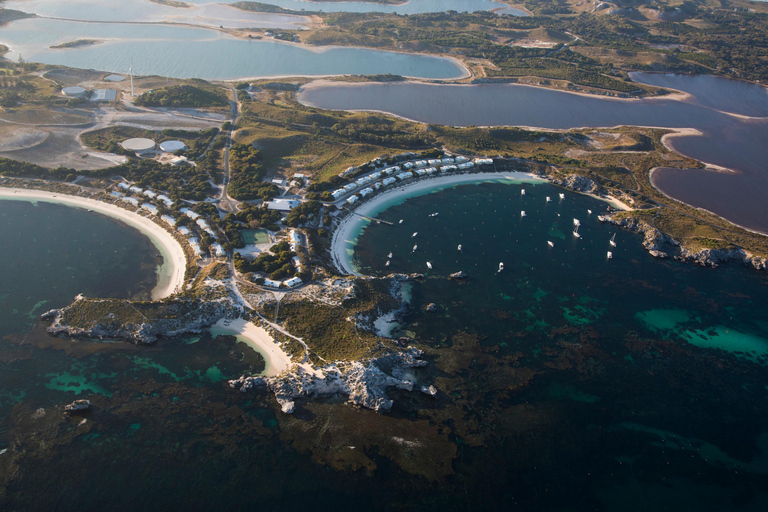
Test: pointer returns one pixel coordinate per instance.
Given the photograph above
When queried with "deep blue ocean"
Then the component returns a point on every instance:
(567, 382)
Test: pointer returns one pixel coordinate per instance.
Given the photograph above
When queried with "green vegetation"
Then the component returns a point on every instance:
(77, 43)
(277, 263)
(327, 328)
(183, 96)
(246, 173)
(301, 213)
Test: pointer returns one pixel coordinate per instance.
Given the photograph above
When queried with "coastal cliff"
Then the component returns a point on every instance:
(138, 322)
(364, 382)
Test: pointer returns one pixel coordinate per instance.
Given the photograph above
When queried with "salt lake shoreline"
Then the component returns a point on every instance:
(170, 278)
(346, 233)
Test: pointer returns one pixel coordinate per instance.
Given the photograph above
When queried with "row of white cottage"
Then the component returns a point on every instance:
(193, 240)
(295, 240)
(420, 168)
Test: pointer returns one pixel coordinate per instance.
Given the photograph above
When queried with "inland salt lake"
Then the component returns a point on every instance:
(567, 382)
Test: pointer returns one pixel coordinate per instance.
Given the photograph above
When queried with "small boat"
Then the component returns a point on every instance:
(389, 255)
(387, 263)
(551, 244)
(522, 213)
(434, 214)
(589, 212)
(522, 192)
(576, 229)
(610, 255)
(90, 211)
(459, 247)
(415, 247)
(401, 221)
(429, 265)
(414, 235)
(562, 196)
(576, 222)
(501, 267)
(548, 199)
(612, 241)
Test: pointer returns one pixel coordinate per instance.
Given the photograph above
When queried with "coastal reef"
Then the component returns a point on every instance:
(364, 382)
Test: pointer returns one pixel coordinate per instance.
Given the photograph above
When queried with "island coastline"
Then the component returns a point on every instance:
(171, 273)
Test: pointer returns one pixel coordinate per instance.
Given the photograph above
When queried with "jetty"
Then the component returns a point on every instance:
(374, 219)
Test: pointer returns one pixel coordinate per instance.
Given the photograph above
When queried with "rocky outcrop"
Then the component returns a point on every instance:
(579, 184)
(78, 406)
(712, 257)
(364, 382)
(653, 237)
(92, 322)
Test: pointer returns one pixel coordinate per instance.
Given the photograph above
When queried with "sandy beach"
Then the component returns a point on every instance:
(258, 339)
(170, 277)
(345, 235)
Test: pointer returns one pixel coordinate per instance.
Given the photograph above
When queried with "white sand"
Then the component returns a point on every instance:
(259, 340)
(170, 276)
(345, 236)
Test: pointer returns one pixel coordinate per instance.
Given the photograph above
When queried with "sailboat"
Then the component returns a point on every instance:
(613, 240)
(576, 225)
(522, 213)
(548, 199)
(551, 244)
(415, 247)
(459, 247)
(434, 214)
(429, 265)
(414, 235)
(401, 221)
(387, 263)
(589, 212)
(389, 255)
(562, 196)
(501, 267)
(610, 255)
(522, 192)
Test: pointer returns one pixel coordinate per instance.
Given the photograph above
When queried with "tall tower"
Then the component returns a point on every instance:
(130, 70)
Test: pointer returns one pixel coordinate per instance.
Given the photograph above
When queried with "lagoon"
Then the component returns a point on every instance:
(728, 140)
(183, 52)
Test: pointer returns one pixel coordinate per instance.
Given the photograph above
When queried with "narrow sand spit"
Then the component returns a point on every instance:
(170, 276)
(258, 339)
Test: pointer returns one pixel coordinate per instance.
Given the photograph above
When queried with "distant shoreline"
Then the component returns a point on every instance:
(170, 278)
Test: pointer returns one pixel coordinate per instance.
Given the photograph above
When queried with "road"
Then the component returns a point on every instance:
(226, 203)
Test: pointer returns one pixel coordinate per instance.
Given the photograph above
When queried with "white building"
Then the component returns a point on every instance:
(167, 200)
(135, 190)
(294, 281)
(420, 163)
(421, 172)
(132, 200)
(366, 191)
(283, 205)
(189, 213)
(447, 161)
(461, 159)
(271, 283)
(353, 199)
(434, 162)
(218, 250)
(466, 165)
(483, 161)
(404, 175)
(350, 187)
(150, 208)
(184, 230)
(407, 165)
(168, 220)
(338, 193)
(123, 185)
(388, 181)
(150, 193)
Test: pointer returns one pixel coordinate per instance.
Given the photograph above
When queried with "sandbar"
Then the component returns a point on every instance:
(170, 278)
(259, 340)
